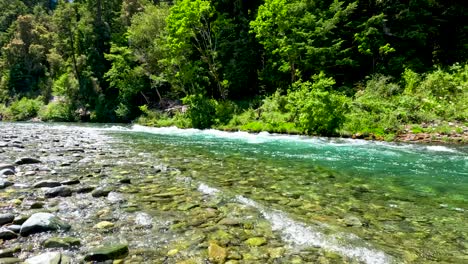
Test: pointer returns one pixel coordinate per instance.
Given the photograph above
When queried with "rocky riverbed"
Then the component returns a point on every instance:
(101, 194)
(75, 195)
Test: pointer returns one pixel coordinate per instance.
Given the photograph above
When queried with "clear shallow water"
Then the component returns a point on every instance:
(366, 202)
(411, 200)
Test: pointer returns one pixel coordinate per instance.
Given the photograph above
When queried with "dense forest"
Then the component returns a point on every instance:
(323, 67)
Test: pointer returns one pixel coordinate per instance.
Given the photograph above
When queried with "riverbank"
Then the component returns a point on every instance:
(435, 132)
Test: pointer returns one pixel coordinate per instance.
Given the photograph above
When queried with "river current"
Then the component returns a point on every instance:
(265, 198)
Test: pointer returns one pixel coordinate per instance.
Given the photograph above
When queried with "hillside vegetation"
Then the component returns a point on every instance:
(326, 67)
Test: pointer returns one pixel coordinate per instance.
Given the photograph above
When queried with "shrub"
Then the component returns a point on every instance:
(225, 110)
(24, 109)
(318, 108)
(58, 111)
(202, 111)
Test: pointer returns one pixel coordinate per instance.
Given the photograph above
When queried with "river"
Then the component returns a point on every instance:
(256, 198)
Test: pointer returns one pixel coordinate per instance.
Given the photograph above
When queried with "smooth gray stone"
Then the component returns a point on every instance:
(47, 183)
(61, 191)
(43, 222)
(14, 228)
(6, 218)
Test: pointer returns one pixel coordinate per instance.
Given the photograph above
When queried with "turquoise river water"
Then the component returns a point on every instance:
(302, 199)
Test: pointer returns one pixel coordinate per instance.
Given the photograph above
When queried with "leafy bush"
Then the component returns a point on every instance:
(58, 111)
(202, 111)
(66, 85)
(159, 119)
(23, 109)
(225, 110)
(319, 109)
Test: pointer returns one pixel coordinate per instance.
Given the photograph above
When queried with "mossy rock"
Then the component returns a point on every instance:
(62, 242)
(216, 253)
(256, 241)
(107, 253)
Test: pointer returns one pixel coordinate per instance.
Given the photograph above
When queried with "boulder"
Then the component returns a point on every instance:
(107, 253)
(26, 160)
(6, 218)
(47, 183)
(43, 222)
(61, 191)
(46, 258)
(6, 234)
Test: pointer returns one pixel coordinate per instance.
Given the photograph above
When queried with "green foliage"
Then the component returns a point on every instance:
(58, 111)
(224, 111)
(319, 109)
(66, 85)
(298, 36)
(23, 109)
(202, 111)
(159, 119)
(384, 107)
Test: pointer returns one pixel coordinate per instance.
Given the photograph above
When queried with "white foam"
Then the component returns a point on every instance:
(440, 149)
(207, 189)
(300, 234)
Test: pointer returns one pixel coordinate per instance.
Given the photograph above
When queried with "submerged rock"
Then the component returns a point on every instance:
(62, 242)
(43, 222)
(104, 225)
(26, 160)
(107, 253)
(256, 241)
(61, 191)
(351, 220)
(143, 220)
(47, 183)
(216, 253)
(125, 181)
(85, 189)
(101, 192)
(46, 258)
